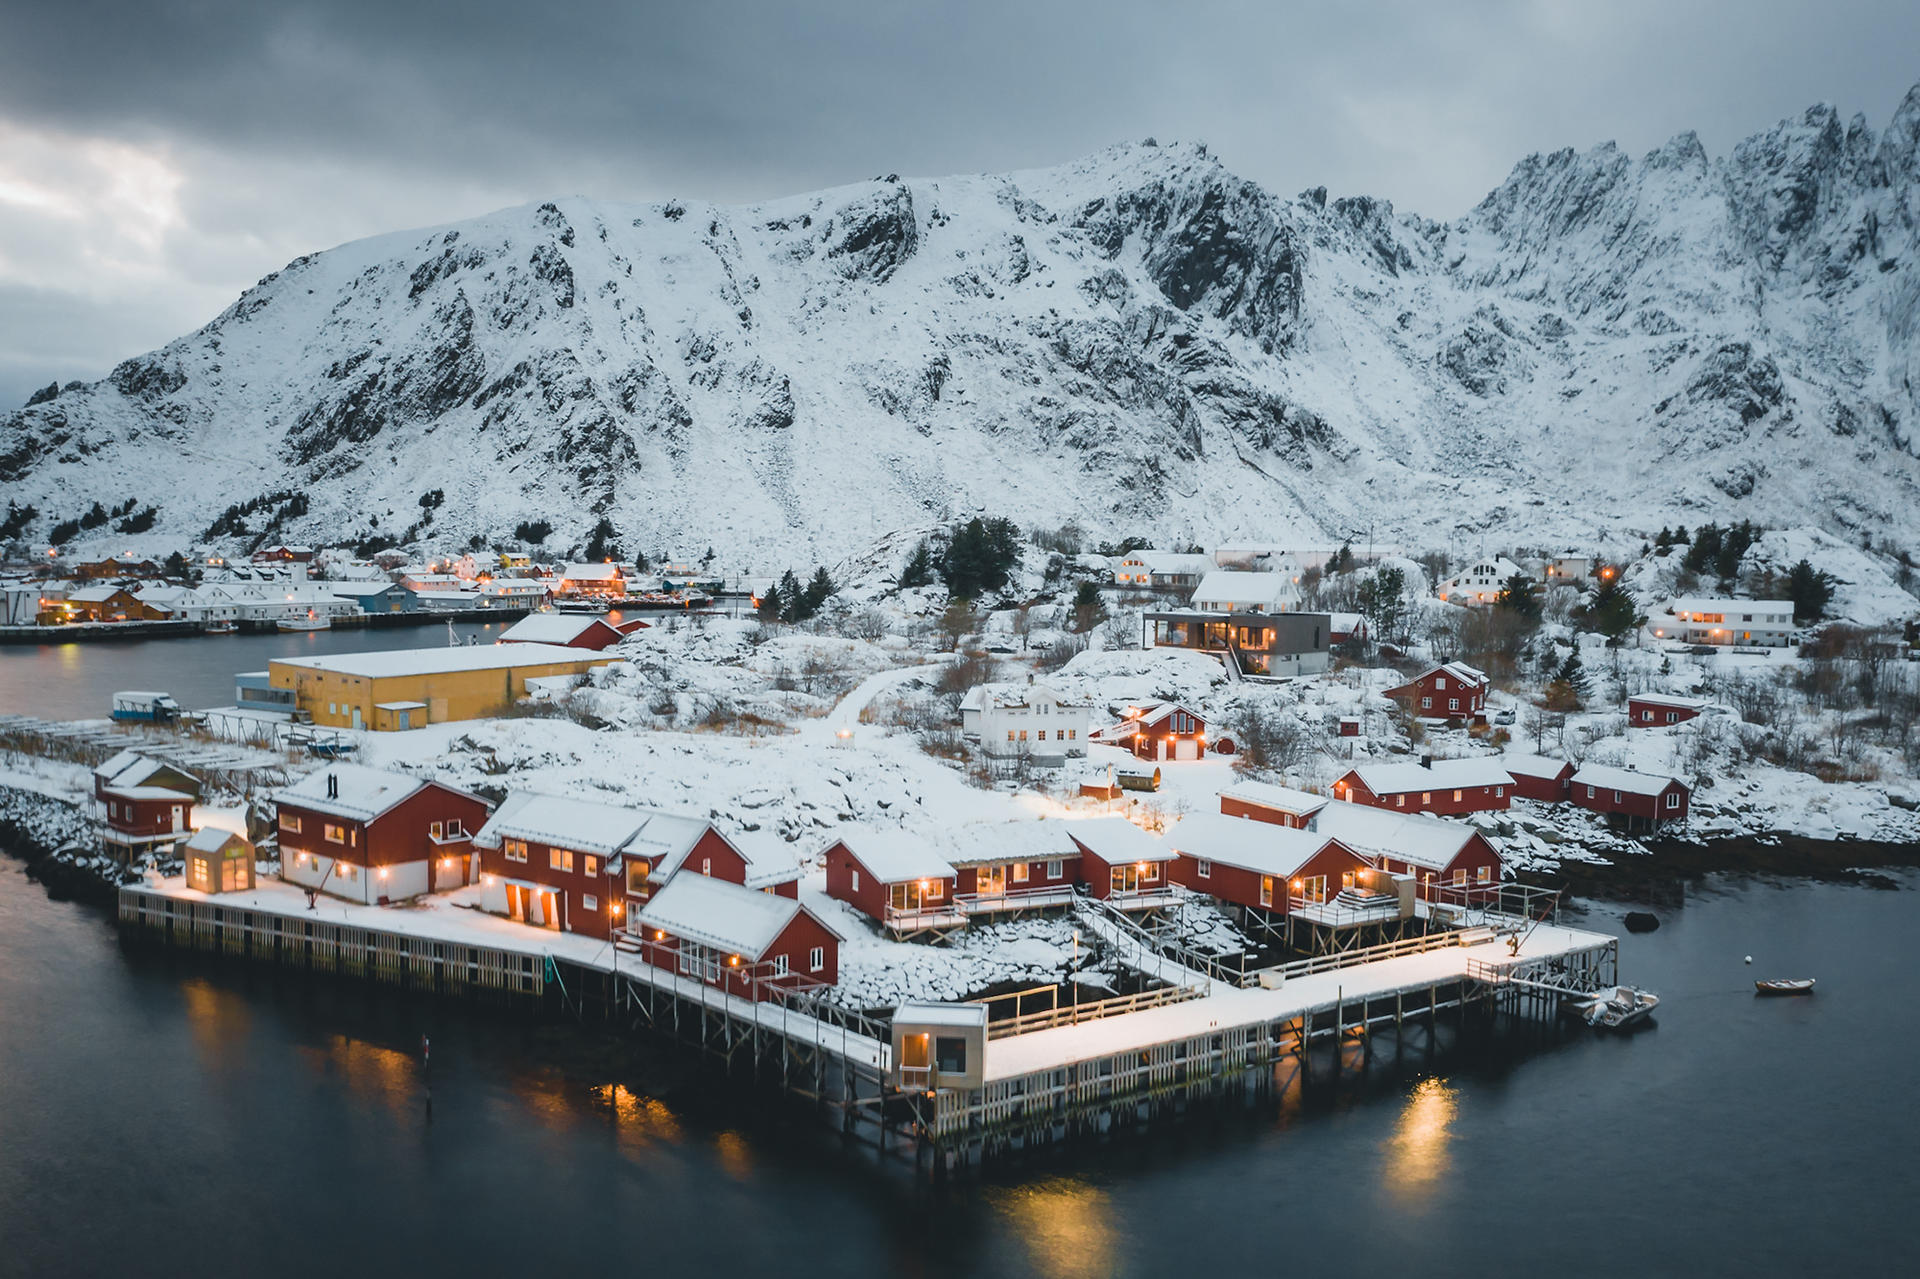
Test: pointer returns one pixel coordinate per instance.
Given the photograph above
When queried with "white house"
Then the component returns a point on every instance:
(1162, 570)
(1567, 570)
(1228, 591)
(1757, 623)
(1480, 583)
(1025, 719)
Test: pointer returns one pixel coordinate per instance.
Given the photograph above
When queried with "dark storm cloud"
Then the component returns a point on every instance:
(257, 131)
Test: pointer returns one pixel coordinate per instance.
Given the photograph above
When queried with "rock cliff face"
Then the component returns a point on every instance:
(1139, 342)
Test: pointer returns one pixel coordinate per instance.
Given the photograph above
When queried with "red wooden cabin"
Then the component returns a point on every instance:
(1631, 800)
(1260, 865)
(1454, 691)
(373, 836)
(569, 630)
(746, 943)
(1451, 861)
(1123, 865)
(1265, 802)
(1445, 786)
(895, 878)
(1163, 731)
(1657, 710)
(1014, 866)
(145, 807)
(1537, 777)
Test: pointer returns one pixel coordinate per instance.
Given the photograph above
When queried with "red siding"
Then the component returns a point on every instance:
(1647, 808)
(967, 880)
(597, 636)
(1260, 813)
(1651, 715)
(148, 816)
(1550, 789)
(1477, 852)
(1455, 701)
(1445, 801)
(751, 978)
(871, 897)
(1147, 742)
(1241, 887)
(1097, 873)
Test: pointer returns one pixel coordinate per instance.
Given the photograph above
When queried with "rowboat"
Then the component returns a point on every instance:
(1784, 986)
(1617, 1008)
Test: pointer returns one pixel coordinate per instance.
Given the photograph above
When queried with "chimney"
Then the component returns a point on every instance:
(333, 786)
(1426, 761)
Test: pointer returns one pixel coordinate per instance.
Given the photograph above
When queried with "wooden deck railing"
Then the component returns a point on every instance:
(1071, 1014)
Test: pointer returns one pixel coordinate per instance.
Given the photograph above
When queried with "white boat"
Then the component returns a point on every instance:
(222, 626)
(1617, 1008)
(580, 604)
(311, 622)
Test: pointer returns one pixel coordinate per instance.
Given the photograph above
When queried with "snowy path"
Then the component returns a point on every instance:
(845, 717)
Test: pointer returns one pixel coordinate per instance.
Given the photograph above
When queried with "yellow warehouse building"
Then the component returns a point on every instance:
(414, 687)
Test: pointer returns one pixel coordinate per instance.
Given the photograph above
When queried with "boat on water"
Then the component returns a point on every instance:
(1617, 1008)
(224, 626)
(585, 604)
(1784, 986)
(311, 622)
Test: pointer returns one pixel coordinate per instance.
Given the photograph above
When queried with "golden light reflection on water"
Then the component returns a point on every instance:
(217, 1019)
(1067, 1226)
(379, 1074)
(1417, 1154)
(639, 1122)
(735, 1157)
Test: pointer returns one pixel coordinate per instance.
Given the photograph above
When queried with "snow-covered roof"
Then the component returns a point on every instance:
(1230, 589)
(148, 792)
(1606, 777)
(585, 825)
(1117, 841)
(440, 661)
(980, 843)
(210, 839)
(1416, 838)
(726, 916)
(769, 859)
(894, 856)
(1154, 712)
(1668, 699)
(363, 793)
(549, 628)
(1261, 847)
(930, 1014)
(1172, 562)
(980, 696)
(1533, 766)
(93, 594)
(1707, 604)
(360, 588)
(131, 768)
(591, 572)
(1444, 774)
(1283, 799)
(1461, 671)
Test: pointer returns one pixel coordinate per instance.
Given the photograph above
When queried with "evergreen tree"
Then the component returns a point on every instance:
(819, 589)
(792, 598)
(18, 517)
(1382, 601)
(1811, 590)
(769, 608)
(980, 556)
(96, 516)
(1517, 597)
(1733, 545)
(1574, 675)
(919, 569)
(1342, 561)
(1705, 551)
(1087, 609)
(176, 565)
(1609, 610)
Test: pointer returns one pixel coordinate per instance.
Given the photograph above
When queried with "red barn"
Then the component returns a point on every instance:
(746, 943)
(1657, 710)
(1455, 691)
(1260, 865)
(1635, 801)
(1122, 864)
(895, 878)
(144, 806)
(1014, 866)
(375, 837)
(1537, 777)
(1265, 802)
(1451, 860)
(1162, 731)
(1445, 786)
(581, 866)
(570, 630)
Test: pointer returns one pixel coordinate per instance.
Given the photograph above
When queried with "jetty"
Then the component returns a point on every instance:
(1021, 1082)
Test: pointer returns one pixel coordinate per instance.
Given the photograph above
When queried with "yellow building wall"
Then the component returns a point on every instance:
(330, 697)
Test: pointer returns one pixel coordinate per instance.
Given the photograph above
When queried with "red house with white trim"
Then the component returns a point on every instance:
(144, 806)
(1265, 802)
(1260, 865)
(1007, 867)
(374, 836)
(1658, 710)
(750, 944)
(895, 878)
(582, 866)
(1161, 731)
(1635, 801)
(1454, 691)
(1445, 786)
(1450, 860)
(569, 630)
(1537, 777)
(1123, 865)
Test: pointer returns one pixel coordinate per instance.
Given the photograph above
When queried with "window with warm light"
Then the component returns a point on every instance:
(335, 834)
(560, 859)
(514, 850)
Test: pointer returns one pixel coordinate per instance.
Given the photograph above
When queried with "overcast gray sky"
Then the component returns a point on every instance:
(156, 156)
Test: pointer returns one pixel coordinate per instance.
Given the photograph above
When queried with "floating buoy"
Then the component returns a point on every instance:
(1749, 959)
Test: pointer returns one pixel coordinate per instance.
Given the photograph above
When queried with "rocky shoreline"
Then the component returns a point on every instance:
(55, 840)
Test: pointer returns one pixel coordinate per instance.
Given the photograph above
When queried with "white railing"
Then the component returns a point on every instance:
(1016, 899)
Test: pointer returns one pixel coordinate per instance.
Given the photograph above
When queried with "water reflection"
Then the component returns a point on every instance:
(217, 1019)
(1066, 1224)
(735, 1157)
(1417, 1154)
(639, 1122)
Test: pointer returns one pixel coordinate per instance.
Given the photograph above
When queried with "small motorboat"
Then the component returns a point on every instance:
(311, 622)
(222, 626)
(1618, 1008)
(1784, 986)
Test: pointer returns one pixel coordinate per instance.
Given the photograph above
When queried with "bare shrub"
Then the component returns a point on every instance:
(965, 672)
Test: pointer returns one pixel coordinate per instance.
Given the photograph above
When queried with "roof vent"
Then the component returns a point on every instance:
(333, 786)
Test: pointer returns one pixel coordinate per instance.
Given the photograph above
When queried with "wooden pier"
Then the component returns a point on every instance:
(1200, 1037)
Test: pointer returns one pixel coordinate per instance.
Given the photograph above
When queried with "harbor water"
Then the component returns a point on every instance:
(168, 1113)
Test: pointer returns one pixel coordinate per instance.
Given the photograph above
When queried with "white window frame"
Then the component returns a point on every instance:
(334, 834)
(817, 959)
(779, 965)
(1202, 868)
(1056, 868)
(856, 880)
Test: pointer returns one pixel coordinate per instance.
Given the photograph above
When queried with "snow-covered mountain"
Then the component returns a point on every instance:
(1137, 342)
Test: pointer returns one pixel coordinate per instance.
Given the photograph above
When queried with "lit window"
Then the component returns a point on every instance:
(706, 865)
(515, 850)
(590, 865)
(1019, 872)
(335, 834)
(560, 859)
(436, 831)
(856, 881)
(1456, 797)
(1460, 875)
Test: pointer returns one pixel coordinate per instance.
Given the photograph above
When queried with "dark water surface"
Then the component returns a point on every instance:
(77, 680)
(165, 1115)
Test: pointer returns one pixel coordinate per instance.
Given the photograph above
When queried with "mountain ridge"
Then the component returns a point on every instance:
(1135, 341)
